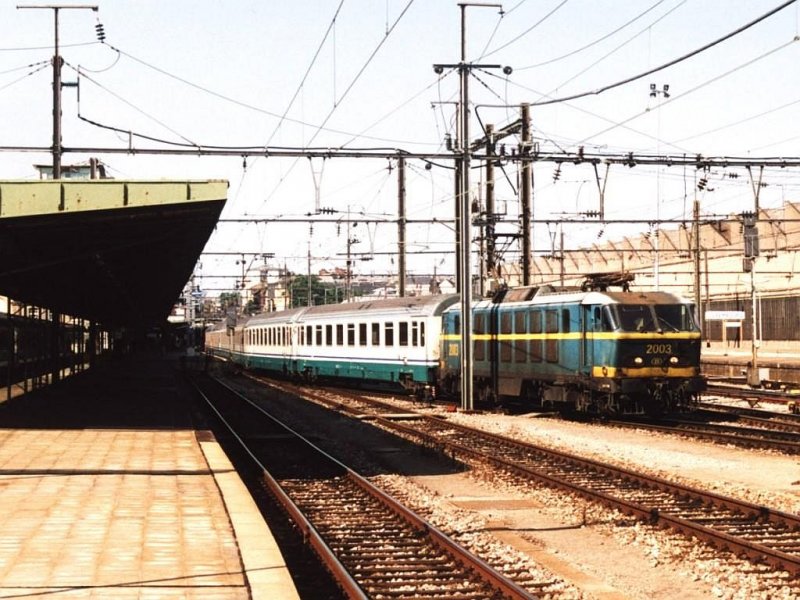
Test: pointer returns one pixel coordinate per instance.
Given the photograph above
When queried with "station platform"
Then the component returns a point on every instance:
(108, 491)
(777, 361)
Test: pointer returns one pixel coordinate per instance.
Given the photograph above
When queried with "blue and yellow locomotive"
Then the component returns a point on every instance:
(594, 351)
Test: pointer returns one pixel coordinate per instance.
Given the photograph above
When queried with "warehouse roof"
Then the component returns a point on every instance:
(116, 252)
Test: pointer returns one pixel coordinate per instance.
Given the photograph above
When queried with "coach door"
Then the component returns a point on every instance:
(590, 324)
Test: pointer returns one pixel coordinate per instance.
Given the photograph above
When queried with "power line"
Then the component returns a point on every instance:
(593, 43)
(528, 30)
(308, 70)
(670, 63)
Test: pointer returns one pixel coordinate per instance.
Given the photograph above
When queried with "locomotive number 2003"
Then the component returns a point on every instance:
(659, 349)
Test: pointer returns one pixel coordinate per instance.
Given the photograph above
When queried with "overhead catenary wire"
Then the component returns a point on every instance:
(618, 47)
(593, 42)
(528, 30)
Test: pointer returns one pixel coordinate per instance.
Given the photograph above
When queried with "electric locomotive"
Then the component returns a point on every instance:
(588, 350)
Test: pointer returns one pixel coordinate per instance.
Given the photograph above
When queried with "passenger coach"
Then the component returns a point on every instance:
(395, 341)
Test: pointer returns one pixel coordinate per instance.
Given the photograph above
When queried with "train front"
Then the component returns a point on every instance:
(644, 349)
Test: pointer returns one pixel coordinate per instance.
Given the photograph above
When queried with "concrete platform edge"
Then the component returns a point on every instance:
(264, 566)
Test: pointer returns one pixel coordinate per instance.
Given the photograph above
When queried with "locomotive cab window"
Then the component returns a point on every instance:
(658, 317)
(603, 320)
(675, 317)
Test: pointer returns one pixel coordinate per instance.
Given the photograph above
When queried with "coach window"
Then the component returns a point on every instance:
(388, 333)
(402, 333)
(340, 334)
(329, 335)
(422, 333)
(318, 335)
(351, 334)
(362, 334)
(376, 334)
(310, 335)
(415, 333)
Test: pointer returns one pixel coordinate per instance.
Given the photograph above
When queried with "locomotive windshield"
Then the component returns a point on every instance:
(655, 317)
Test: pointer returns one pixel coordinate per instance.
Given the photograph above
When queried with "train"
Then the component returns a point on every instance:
(587, 350)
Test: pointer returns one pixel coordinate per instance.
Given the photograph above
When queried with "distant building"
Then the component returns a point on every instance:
(94, 169)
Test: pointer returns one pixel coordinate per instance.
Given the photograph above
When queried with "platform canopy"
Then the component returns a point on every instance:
(116, 252)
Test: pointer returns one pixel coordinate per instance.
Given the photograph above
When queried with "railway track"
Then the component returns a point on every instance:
(765, 419)
(754, 434)
(753, 396)
(749, 530)
(373, 546)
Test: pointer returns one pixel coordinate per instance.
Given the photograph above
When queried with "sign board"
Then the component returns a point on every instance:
(724, 315)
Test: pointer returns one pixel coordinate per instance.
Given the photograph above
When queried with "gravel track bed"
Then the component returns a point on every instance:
(758, 476)
(605, 554)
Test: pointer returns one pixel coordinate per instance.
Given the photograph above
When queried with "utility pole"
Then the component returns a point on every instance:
(464, 219)
(490, 210)
(401, 227)
(308, 275)
(57, 63)
(525, 194)
(751, 252)
(696, 240)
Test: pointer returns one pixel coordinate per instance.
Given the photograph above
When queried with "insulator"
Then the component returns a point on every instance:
(101, 34)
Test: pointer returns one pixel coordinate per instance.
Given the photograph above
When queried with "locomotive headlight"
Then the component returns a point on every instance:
(673, 360)
(638, 361)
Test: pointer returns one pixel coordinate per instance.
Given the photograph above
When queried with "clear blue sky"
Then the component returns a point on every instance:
(242, 62)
